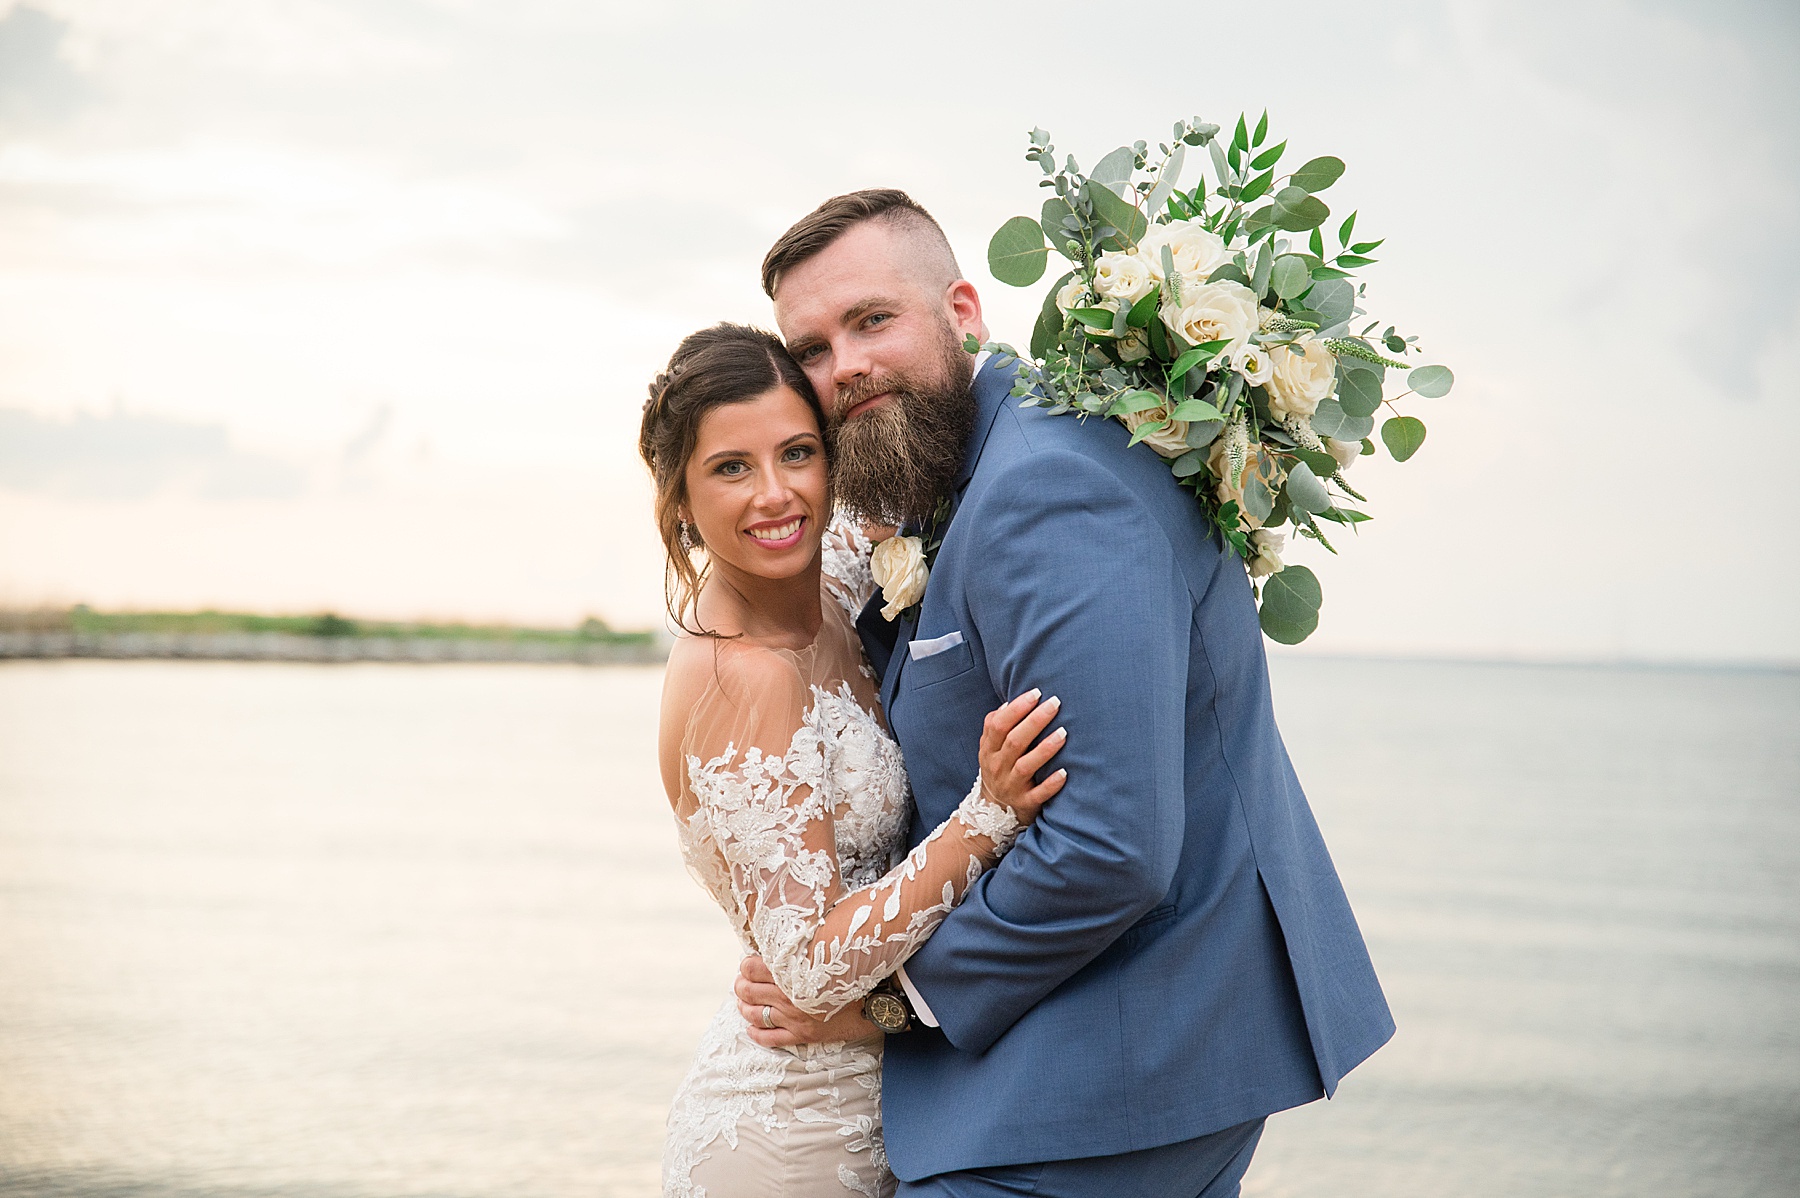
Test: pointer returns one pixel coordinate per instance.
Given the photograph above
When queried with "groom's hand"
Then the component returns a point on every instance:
(756, 989)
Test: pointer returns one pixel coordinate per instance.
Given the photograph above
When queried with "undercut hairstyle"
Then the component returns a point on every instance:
(838, 215)
(728, 363)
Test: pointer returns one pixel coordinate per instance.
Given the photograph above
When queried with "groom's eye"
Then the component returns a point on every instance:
(875, 318)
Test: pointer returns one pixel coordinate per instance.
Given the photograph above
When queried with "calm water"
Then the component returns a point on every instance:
(366, 931)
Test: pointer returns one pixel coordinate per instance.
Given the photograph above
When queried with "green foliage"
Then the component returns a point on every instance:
(1319, 174)
(1290, 605)
(1017, 254)
(1403, 435)
(1297, 211)
(1433, 382)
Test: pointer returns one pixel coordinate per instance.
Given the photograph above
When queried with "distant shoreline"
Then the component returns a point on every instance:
(276, 646)
(224, 636)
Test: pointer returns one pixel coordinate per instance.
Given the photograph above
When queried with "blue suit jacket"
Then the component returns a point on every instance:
(1167, 951)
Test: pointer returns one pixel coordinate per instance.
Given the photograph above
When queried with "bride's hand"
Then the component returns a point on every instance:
(1009, 760)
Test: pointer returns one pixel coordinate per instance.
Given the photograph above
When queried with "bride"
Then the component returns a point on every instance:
(790, 797)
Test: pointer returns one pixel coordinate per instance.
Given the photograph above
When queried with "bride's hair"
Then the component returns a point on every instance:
(728, 363)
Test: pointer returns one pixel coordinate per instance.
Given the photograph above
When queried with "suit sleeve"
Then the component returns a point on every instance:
(1078, 593)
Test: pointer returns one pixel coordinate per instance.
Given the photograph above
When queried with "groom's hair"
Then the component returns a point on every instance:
(838, 215)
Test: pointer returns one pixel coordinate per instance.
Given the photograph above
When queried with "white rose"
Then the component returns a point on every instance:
(1268, 553)
(1071, 296)
(1122, 277)
(1301, 379)
(1170, 442)
(898, 567)
(1197, 252)
(1254, 364)
(1346, 452)
(1223, 311)
(1134, 346)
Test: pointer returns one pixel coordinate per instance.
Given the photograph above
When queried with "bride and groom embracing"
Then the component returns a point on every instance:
(985, 956)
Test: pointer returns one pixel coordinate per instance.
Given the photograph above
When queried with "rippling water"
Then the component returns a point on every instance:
(361, 931)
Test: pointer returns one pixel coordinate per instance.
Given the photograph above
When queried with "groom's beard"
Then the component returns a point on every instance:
(893, 463)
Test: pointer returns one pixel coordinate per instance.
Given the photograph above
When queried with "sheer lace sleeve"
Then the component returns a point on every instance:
(844, 558)
(760, 778)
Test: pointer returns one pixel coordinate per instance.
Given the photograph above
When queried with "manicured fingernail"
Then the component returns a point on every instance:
(1062, 773)
(1053, 701)
(1059, 733)
(1033, 693)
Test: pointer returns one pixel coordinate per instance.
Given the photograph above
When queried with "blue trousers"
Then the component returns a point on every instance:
(1211, 1166)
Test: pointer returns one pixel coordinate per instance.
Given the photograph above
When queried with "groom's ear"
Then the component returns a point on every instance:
(963, 305)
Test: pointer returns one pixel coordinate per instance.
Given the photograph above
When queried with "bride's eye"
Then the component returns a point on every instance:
(798, 453)
(732, 469)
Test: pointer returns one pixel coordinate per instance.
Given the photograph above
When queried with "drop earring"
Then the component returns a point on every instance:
(687, 541)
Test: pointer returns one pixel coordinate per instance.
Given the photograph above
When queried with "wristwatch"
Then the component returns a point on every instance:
(887, 1008)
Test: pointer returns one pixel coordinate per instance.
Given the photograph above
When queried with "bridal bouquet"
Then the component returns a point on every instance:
(1222, 345)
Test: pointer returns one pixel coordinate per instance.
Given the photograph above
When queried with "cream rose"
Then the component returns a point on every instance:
(1268, 553)
(1197, 252)
(1133, 347)
(1346, 452)
(1223, 311)
(898, 567)
(1071, 296)
(1170, 442)
(1300, 380)
(1122, 277)
(1253, 363)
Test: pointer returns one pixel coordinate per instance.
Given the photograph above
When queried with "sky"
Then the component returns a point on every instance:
(351, 304)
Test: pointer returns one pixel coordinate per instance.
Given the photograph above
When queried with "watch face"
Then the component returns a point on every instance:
(886, 1012)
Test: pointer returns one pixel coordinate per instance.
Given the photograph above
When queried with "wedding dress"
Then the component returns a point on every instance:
(793, 814)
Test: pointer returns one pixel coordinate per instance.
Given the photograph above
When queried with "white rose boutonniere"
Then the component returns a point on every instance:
(899, 569)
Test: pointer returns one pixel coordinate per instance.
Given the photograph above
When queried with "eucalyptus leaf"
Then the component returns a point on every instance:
(1190, 463)
(1202, 433)
(1296, 211)
(1259, 277)
(1166, 179)
(1403, 435)
(1017, 254)
(1121, 215)
(1055, 220)
(1432, 382)
(1331, 420)
(1290, 276)
(1221, 168)
(1333, 299)
(1114, 170)
(1259, 501)
(1305, 491)
(1319, 174)
(1048, 329)
(1290, 605)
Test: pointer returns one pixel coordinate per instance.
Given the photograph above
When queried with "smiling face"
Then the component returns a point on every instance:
(876, 320)
(756, 485)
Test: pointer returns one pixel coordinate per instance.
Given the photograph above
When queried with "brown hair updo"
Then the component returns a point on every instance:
(728, 363)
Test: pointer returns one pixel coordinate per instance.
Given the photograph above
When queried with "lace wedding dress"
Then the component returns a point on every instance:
(793, 812)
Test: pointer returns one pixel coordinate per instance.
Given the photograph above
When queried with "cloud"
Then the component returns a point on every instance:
(123, 457)
(36, 84)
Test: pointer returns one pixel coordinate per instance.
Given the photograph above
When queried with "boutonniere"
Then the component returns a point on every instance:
(901, 565)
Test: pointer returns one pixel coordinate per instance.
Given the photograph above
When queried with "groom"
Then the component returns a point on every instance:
(1166, 956)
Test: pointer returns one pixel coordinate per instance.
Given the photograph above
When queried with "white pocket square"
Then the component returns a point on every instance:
(920, 650)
